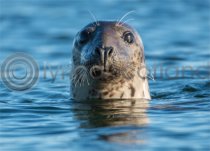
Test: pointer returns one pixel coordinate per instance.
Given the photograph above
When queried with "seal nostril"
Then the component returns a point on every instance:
(110, 51)
(98, 51)
(107, 50)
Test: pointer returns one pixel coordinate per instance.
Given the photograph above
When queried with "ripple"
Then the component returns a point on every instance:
(184, 43)
(62, 37)
(190, 88)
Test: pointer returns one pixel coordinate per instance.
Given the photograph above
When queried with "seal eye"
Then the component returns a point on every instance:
(85, 35)
(128, 37)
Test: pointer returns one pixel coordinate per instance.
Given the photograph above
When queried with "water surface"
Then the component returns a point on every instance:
(176, 34)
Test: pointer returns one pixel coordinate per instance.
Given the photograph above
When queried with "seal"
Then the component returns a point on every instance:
(108, 63)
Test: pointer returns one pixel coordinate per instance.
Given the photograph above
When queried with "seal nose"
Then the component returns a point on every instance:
(104, 53)
(104, 50)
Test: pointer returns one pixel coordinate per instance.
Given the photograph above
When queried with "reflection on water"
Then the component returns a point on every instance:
(113, 113)
(99, 113)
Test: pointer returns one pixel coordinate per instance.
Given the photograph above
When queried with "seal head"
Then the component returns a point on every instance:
(108, 63)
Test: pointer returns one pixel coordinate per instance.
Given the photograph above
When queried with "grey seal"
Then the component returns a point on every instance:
(108, 63)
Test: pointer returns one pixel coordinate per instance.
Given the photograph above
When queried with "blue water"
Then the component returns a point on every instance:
(175, 33)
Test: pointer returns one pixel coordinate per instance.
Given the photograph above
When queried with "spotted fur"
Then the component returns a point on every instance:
(123, 80)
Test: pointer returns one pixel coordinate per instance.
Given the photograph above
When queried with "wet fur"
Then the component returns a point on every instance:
(123, 81)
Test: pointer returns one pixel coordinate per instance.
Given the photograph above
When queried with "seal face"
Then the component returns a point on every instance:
(108, 62)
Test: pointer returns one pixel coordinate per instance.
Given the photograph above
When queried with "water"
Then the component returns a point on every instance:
(175, 34)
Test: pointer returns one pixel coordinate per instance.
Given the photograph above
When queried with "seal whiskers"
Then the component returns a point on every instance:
(126, 14)
(126, 21)
(94, 18)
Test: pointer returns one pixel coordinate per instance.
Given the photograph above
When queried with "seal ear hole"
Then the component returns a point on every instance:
(128, 37)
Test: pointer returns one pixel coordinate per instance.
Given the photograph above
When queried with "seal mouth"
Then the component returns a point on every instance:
(99, 73)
